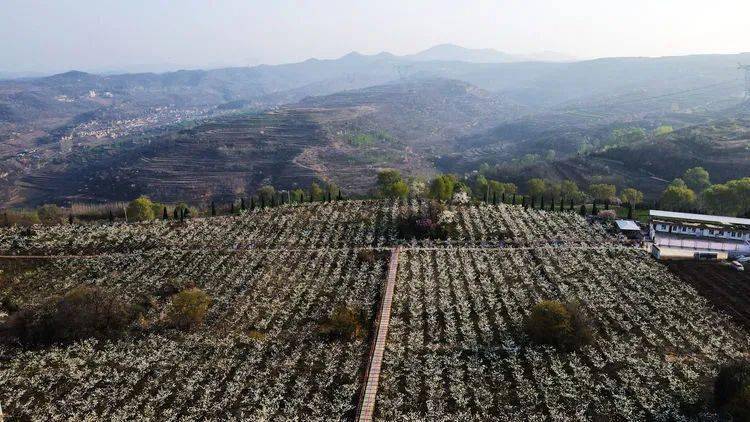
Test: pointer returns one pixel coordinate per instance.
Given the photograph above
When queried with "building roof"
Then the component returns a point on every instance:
(702, 218)
(627, 225)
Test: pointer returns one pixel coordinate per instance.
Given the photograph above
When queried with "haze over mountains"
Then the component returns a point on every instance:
(446, 108)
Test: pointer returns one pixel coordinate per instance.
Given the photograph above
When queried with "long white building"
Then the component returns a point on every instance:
(699, 232)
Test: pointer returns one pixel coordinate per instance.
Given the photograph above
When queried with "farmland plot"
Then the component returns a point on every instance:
(457, 348)
(259, 356)
(337, 224)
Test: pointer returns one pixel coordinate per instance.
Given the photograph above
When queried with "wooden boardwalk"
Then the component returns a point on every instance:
(366, 408)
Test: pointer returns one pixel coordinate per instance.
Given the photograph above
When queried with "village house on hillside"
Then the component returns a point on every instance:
(699, 232)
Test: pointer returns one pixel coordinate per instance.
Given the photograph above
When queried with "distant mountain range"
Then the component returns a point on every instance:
(446, 108)
(455, 53)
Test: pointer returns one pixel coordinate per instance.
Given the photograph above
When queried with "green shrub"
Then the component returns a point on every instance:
(343, 324)
(562, 325)
(732, 390)
(83, 312)
(188, 308)
(140, 209)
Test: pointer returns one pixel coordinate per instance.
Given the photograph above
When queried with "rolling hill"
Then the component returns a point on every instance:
(343, 138)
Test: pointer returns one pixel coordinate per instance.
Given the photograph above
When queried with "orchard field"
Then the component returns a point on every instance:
(456, 349)
(338, 224)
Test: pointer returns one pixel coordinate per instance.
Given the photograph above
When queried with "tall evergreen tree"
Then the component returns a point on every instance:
(503, 198)
(494, 198)
(594, 209)
(242, 203)
(541, 203)
(630, 211)
(175, 213)
(340, 197)
(111, 217)
(213, 209)
(231, 207)
(571, 204)
(582, 211)
(252, 202)
(164, 215)
(514, 199)
(606, 204)
(70, 218)
(533, 201)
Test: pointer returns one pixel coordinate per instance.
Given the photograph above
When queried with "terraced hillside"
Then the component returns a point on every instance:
(344, 138)
(457, 349)
(218, 159)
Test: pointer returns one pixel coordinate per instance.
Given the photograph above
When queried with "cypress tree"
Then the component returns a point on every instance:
(70, 218)
(514, 199)
(340, 197)
(562, 204)
(503, 199)
(164, 215)
(112, 217)
(571, 204)
(329, 196)
(494, 198)
(485, 197)
(231, 208)
(630, 211)
(252, 203)
(175, 213)
(262, 201)
(182, 215)
(523, 201)
(552, 204)
(242, 203)
(541, 204)
(213, 209)
(533, 200)
(606, 204)
(582, 211)
(594, 209)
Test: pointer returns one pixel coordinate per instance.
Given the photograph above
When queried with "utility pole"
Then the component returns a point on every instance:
(746, 68)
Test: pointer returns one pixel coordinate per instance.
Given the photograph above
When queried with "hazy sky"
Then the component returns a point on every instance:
(60, 35)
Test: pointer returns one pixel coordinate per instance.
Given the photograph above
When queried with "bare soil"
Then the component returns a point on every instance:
(728, 290)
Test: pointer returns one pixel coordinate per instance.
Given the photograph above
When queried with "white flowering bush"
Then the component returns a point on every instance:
(461, 198)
